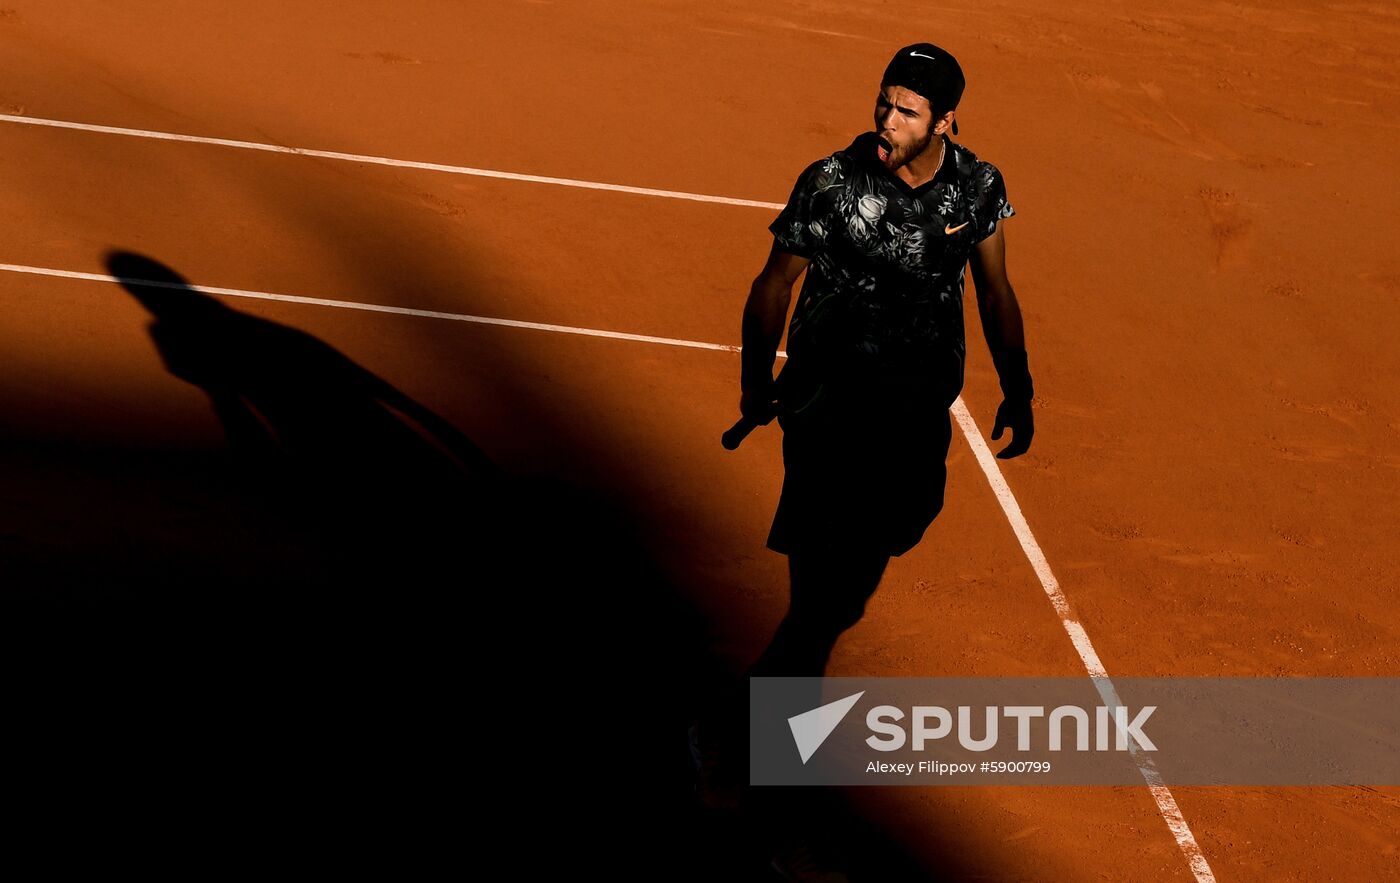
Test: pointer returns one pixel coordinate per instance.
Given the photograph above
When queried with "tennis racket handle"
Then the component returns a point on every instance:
(737, 433)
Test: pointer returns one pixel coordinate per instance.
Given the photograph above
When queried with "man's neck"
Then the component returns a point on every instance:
(921, 169)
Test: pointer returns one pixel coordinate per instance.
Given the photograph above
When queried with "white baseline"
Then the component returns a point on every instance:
(384, 161)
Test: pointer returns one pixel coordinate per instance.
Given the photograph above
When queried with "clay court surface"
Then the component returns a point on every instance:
(1203, 250)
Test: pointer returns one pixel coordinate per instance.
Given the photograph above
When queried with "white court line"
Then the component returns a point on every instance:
(386, 161)
(1166, 803)
(375, 308)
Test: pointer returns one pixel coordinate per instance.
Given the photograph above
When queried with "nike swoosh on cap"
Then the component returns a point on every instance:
(921, 55)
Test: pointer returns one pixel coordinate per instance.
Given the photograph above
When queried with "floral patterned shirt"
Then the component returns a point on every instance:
(883, 291)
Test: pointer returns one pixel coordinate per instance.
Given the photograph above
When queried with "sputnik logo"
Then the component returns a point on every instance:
(810, 728)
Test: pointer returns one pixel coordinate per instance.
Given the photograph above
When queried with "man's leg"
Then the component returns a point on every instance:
(829, 590)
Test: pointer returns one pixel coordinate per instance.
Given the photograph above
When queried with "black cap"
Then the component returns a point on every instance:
(930, 71)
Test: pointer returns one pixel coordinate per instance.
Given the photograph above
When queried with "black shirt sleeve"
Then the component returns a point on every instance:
(794, 230)
(989, 204)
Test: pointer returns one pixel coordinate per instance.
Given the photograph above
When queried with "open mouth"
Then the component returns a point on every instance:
(883, 149)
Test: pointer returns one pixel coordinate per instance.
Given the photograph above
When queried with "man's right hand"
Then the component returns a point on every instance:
(758, 405)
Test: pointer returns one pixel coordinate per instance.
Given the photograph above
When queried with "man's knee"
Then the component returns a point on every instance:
(830, 587)
(848, 566)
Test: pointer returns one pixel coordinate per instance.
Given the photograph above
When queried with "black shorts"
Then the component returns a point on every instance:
(864, 469)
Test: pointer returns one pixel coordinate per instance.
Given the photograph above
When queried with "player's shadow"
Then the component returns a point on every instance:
(378, 492)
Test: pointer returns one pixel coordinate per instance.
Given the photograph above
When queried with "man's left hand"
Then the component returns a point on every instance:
(1015, 416)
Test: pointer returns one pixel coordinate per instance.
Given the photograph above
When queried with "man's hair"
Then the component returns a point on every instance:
(931, 72)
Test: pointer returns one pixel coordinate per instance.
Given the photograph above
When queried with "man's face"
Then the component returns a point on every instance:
(905, 123)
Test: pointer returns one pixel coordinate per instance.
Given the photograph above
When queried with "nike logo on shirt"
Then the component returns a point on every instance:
(951, 230)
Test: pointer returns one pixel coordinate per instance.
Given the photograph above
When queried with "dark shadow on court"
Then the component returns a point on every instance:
(415, 624)
(381, 494)
(395, 636)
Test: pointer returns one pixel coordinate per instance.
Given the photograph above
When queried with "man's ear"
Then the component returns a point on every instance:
(943, 124)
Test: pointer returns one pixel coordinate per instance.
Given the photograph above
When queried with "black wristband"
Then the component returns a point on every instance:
(753, 375)
(1014, 375)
